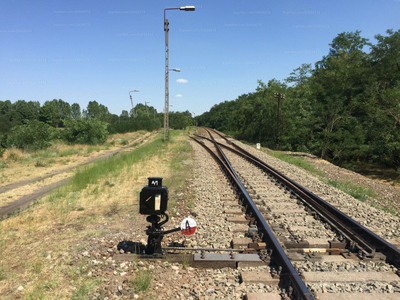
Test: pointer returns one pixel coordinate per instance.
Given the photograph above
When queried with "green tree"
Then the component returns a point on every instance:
(76, 111)
(96, 110)
(340, 80)
(50, 113)
(64, 111)
(33, 135)
(91, 131)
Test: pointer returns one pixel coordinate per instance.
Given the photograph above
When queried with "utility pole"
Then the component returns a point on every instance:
(194, 119)
(279, 96)
(166, 107)
(130, 96)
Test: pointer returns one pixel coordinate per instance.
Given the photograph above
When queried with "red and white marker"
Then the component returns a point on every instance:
(188, 226)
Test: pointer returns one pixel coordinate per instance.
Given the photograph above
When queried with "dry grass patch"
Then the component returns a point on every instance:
(21, 165)
(40, 248)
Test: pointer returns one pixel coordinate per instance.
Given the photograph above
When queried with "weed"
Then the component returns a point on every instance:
(186, 261)
(45, 153)
(37, 267)
(90, 233)
(113, 209)
(359, 192)
(3, 273)
(297, 161)
(36, 293)
(81, 292)
(142, 280)
(27, 158)
(391, 210)
(3, 165)
(14, 155)
(109, 184)
(52, 284)
(95, 190)
(40, 163)
(104, 232)
(69, 152)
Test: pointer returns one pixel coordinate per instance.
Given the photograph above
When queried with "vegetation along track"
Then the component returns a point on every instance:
(26, 199)
(315, 250)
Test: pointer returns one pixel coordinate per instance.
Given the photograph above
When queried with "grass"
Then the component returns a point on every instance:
(359, 192)
(40, 163)
(92, 206)
(142, 280)
(70, 152)
(297, 161)
(14, 155)
(362, 193)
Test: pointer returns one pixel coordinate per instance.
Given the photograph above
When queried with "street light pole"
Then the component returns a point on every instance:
(166, 107)
(130, 96)
(279, 96)
(194, 119)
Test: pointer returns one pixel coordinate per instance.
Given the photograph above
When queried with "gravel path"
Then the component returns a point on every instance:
(382, 223)
(175, 281)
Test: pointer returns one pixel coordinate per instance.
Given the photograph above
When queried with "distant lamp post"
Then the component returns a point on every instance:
(279, 96)
(145, 103)
(130, 96)
(166, 29)
(194, 119)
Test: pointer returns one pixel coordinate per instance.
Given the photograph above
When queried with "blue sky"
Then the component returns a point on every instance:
(100, 50)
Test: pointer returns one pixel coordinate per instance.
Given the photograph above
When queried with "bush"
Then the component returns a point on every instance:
(81, 131)
(32, 136)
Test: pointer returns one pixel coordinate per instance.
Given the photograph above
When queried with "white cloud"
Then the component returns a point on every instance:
(182, 80)
(178, 96)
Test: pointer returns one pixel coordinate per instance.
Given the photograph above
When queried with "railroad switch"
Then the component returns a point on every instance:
(153, 202)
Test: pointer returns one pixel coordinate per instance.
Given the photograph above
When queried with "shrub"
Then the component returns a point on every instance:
(81, 131)
(31, 136)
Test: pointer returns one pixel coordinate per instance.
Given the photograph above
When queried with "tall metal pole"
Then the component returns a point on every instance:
(279, 96)
(166, 107)
(130, 96)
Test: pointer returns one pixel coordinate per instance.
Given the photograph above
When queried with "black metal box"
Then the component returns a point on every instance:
(153, 197)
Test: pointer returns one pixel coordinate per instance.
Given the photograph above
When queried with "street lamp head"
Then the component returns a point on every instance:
(187, 8)
(176, 70)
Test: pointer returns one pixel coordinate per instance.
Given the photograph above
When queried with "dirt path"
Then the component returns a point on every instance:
(25, 200)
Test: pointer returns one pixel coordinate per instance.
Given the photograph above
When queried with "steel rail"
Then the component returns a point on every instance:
(288, 274)
(362, 236)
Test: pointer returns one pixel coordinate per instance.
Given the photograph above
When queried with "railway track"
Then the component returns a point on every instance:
(310, 249)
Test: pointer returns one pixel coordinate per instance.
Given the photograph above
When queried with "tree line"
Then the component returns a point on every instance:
(28, 125)
(345, 108)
